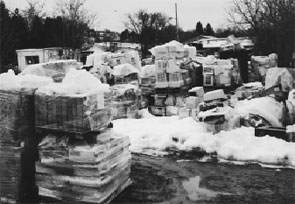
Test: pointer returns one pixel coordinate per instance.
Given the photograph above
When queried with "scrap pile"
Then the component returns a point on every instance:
(17, 164)
(81, 159)
(172, 82)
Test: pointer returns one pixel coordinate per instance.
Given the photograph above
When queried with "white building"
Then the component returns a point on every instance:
(34, 56)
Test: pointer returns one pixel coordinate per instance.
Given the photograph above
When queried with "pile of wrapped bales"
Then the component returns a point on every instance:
(17, 163)
(81, 159)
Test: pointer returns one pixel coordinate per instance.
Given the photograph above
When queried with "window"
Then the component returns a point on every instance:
(32, 59)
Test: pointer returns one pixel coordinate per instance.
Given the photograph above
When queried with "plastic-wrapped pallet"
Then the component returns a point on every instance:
(81, 103)
(16, 136)
(87, 169)
(125, 100)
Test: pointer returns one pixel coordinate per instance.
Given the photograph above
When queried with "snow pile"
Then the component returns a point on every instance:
(124, 70)
(76, 82)
(10, 81)
(266, 107)
(153, 135)
(256, 84)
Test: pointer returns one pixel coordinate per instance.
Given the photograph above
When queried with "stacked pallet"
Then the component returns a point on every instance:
(81, 159)
(92, 168)
(125, 101)
(17, 163)
(172, 82)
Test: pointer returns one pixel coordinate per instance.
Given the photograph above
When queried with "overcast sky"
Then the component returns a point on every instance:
(111, 13)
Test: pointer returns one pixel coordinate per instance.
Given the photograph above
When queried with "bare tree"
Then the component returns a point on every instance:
(149, 27)
(273, 24)
(77, 21)
(33, 9)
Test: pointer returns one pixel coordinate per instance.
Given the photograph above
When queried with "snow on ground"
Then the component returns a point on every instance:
(152, 135)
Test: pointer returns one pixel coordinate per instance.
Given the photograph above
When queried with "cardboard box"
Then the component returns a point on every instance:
(214, 95)
(184, 113)
(197, 91)
(193, 102)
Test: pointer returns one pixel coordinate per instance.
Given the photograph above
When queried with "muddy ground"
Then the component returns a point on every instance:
(171, 180)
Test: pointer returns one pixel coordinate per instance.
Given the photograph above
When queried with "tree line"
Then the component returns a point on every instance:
(31, 28)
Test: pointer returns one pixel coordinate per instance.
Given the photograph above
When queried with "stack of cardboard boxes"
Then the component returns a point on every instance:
(192, 102)
(172, 83)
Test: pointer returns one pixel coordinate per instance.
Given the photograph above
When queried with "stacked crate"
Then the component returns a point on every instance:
(81, 159)
(172, 83)
(125, 101)
(16, 146)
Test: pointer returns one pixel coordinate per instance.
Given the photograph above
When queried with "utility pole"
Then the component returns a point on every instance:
(177, 35)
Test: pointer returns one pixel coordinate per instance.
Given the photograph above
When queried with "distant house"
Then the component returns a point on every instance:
(26, 57)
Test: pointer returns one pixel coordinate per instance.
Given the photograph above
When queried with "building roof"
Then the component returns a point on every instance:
(39, 49)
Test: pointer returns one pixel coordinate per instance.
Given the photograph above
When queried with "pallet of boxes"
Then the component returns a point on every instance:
(192, 103)
(125, 92)
(147, 84)
(172, 83)
(17, 142)
(81, 158)
(217, 72)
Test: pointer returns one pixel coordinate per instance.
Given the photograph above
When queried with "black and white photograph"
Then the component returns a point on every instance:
(147, 101)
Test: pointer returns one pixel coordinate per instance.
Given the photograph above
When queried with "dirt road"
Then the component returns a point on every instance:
(170, 180)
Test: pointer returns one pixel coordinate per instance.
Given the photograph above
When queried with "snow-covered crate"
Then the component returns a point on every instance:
(78, 113)
(161, 80)
(217, 124)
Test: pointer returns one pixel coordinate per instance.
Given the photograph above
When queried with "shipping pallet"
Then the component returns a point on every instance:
(58, 131)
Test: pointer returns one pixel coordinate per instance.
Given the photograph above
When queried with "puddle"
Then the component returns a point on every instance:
(192, 187)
